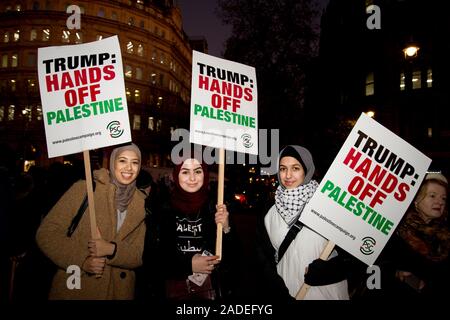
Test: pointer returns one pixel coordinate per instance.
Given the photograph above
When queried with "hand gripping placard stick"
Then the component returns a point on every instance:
(324, 256)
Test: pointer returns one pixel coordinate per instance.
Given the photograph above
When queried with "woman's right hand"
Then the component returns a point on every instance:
(94, 265)
(204, 264)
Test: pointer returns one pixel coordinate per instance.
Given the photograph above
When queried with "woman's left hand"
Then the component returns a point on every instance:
(222, 216)
(100, 248)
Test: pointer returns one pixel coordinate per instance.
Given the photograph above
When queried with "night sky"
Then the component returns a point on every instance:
(200, 19)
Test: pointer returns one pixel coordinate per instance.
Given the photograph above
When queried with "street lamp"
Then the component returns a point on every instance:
(411, 51)
(370, 114)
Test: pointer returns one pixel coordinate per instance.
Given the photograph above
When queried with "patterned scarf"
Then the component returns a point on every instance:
(430, 240)
(290, 202)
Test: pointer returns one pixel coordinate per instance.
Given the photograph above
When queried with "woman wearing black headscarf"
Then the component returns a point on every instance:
(176, 265)
(107, 264)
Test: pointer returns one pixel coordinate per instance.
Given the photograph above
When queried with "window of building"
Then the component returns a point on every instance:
(78, 37)
(13, 84)
(136, 122)
(31, 59)
(128, 93)
(142, 24)
(131, 21)
(130, 47)
(128, 71)
(3, 85)
(139, 73)
(369, 84)
(33, 34)
(14, 60)
(36, 5)
(158, 125)
(2, 113)
(429, 78)
(6, 37)
(430, 132)
(101, 12)
(163, 58)
(11, 112)
(140, 50)
(38, 112)
(114, 15)
(31, 85)
(46, 35)
(416, 79)
(82, 9)
(137, 95)
(402, 81)
(5, 61)
(16, 35)
(66, 36)
(153, 78)
(159, 102)
(151, 123)
(18, 7)
(161, 79)
(27, 114)
(154, 55)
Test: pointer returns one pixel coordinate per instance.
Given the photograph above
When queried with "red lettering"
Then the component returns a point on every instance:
(364, 167)
(70, 97)
(66, 81)
(389, 184)
(352, 158)
(377, 198)
(52, 82)
(95, 74)
(216, 101)
(355, 185)
(203, 82)
(367, 191)
(403, 188)
(248, 94)
(94, 91)
(237, 92)
(109, 72)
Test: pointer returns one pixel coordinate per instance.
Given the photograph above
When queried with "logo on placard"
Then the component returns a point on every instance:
(247, 140)
(114, 129)
(368, 243)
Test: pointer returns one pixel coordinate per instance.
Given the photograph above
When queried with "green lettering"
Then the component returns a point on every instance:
(50, 117)
(350, 203)
(60, 116)
(77, 112)
(118, 104)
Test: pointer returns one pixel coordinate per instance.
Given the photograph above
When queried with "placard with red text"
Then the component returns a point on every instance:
(367, 190)
(224, 104)
(83, 96)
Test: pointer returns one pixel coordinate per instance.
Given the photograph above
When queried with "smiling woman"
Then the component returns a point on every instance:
(107, 262)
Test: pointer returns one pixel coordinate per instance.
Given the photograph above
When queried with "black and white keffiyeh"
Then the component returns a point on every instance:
(290, 202)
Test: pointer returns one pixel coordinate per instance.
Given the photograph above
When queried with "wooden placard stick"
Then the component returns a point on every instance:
(220, 191)
(324, 256)
(90, 193)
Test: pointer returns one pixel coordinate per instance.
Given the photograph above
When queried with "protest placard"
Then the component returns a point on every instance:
(83, 96)
(224, 108)
(367, 190)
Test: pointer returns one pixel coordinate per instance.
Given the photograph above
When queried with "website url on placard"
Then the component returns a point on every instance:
(87, 135)
(215, 134)
(348, 234)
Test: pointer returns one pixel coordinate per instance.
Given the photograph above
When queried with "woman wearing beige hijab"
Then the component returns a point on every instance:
(106, 264)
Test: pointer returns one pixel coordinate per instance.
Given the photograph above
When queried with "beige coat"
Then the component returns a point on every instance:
(118, 279)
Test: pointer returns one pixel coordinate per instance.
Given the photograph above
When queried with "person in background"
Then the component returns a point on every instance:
(107, 262)
(422, 251)
(282, 275)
